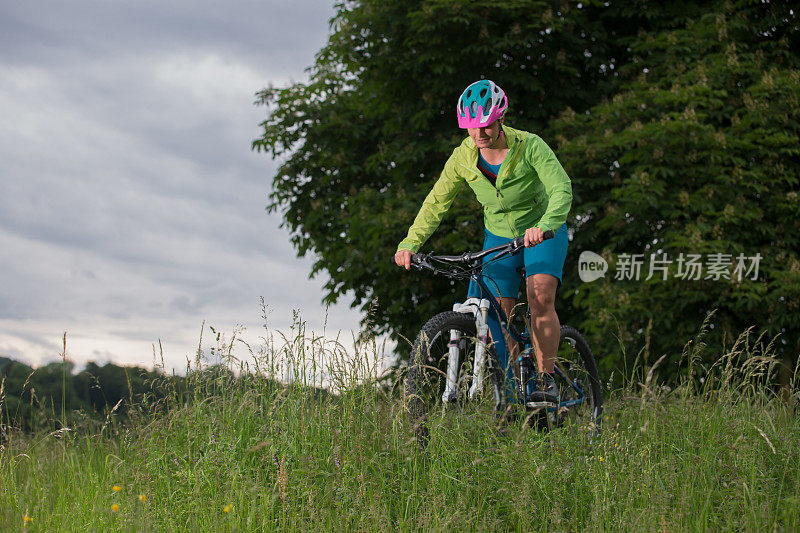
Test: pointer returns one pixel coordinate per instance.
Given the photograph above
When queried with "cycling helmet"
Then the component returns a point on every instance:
(480, 104)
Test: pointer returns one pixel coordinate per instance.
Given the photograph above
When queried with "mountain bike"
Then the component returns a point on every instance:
(453, 358)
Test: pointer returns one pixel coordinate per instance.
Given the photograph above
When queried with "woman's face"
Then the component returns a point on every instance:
(485, 137)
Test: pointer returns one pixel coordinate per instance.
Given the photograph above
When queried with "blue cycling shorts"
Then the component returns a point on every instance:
(503, 277)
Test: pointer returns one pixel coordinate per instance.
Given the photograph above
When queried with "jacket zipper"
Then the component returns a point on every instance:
(508, 215)
(499, 195)
(509, 160)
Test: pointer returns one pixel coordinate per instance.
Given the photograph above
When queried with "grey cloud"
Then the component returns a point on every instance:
(270, 33)
(128, 191)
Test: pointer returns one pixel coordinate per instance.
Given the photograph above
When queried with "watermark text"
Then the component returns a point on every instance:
(684, 266)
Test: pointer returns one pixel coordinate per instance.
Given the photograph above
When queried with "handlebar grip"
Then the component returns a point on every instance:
(520, 241)
(413, 259)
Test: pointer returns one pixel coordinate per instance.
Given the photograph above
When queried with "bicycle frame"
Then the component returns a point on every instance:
(480, 308)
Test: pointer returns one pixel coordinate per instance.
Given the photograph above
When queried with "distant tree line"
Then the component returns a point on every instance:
(54, 395)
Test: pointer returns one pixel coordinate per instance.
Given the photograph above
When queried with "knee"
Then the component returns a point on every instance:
(541, 302)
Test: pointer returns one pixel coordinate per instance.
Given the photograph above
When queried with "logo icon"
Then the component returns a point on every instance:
(591, 266)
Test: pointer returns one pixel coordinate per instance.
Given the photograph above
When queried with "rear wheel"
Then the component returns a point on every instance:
(427, 375)
(580, 394)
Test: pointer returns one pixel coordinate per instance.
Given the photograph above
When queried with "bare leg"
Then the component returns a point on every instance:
(545, 325)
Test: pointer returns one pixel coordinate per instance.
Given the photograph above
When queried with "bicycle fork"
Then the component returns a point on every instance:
(479, 308)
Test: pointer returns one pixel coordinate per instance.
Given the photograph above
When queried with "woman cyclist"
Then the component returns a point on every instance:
(524, 191)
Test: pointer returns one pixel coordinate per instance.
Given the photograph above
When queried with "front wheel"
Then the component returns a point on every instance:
(445, 334)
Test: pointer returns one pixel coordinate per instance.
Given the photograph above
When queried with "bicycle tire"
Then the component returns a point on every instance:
(426, 377)
(574, 358)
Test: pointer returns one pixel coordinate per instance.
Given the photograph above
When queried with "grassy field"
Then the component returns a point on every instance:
(248, 455)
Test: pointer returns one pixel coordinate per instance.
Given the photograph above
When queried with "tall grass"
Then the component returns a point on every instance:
(249, 450)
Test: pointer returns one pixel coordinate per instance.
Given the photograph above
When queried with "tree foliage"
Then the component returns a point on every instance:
(54, 396)
(699, 153)
(679, 114)
(32, 398)
(367, 136)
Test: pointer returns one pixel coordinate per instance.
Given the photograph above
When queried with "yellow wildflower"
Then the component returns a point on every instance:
(114, 507)
(27, 519)
(116, 488)
(601, 459)
(142, 498)
(227, 508)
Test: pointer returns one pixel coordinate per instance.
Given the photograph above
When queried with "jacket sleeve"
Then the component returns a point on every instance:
(556, 183)
(434, 207)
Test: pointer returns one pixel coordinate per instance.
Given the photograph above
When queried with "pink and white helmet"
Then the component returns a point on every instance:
(480, 104)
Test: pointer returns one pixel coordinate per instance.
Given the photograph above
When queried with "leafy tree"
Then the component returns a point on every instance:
(678, 126)
(32, 398)
(367, 136)
(16, 399)
(698, 153)
(110, 385)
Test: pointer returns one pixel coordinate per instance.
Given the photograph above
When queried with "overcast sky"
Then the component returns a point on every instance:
(131, 205)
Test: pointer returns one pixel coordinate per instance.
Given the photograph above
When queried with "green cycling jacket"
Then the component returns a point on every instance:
(532, 190)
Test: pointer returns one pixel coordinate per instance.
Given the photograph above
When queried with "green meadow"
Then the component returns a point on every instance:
(245, 451)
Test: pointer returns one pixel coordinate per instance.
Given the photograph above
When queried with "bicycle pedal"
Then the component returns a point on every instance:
(543, 397)
(541, 405)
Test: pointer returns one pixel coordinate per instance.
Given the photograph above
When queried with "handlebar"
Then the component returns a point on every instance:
(510, 248)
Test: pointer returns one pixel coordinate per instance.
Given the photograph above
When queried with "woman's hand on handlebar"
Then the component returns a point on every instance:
(533, 236)
(403, 258)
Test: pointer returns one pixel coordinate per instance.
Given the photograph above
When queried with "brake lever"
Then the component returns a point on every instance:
(420, 261)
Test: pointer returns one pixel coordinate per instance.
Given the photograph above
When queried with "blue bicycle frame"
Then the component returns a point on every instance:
(524, 340)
